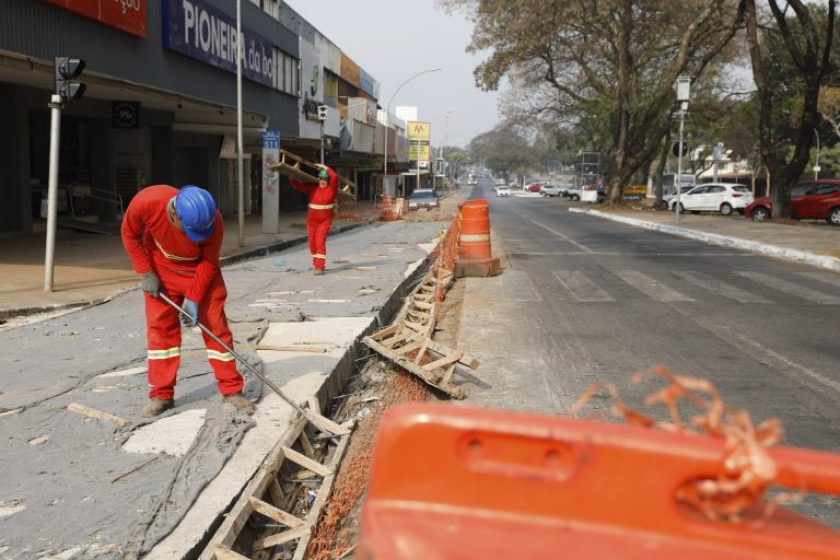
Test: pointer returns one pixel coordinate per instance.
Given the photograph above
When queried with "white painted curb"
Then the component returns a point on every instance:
(812, 259)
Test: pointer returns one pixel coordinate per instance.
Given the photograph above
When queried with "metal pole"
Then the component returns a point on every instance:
(679, 163)
(52, 192)
(385, 164)
(418, 162)
(322, 142)
(817, 166)
(240, 172)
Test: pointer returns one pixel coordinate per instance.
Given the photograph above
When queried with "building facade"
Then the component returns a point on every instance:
(160, 105)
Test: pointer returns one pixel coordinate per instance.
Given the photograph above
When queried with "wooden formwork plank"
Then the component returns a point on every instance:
(422, 350)
(275, 513)
(454, 357)
(386, 332)
(222, 552)
(422, 305)
(447, 377)
(411, 367)
(443, 350)
(306, 462)
(308, 450)
(283, 537)
(323, 495)
(407, 348)
(240, 512)
(276, 491)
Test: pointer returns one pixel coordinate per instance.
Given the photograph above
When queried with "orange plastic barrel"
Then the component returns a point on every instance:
(387, 209)
(475, 230)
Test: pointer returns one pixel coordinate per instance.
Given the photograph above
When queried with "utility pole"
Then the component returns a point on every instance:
(817, 168)
(716, 154)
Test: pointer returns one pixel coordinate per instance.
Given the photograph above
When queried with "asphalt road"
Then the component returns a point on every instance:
(587, 299)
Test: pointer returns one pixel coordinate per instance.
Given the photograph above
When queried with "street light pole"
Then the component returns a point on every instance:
(240, 173)
(387, 116)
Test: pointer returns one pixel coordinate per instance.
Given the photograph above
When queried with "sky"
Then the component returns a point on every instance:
(393, 40)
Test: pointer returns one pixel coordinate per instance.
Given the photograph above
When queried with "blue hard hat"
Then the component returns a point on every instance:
(322, 174)
(197, 210)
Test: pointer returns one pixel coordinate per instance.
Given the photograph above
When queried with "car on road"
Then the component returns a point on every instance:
(423, 198)
(817, 200)
(533, 187)
(549, 190)
(502, 191)
(725, 198)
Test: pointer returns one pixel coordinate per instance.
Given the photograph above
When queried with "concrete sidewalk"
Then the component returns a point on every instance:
(91, 268)
(813, 243)
(121, 489)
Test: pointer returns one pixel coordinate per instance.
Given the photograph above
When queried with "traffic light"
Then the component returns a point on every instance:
(66, 72)
(322, 112)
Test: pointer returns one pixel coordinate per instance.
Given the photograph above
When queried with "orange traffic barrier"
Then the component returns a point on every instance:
(474, 255)
(458, 483)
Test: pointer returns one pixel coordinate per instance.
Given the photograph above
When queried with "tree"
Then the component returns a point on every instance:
(503, 150)
(799, 44)
(608, 65)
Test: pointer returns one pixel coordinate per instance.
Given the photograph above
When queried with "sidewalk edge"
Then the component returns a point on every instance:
(795, 255)
(265, 250)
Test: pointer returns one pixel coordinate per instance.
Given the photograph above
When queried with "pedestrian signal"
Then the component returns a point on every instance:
(322, 112)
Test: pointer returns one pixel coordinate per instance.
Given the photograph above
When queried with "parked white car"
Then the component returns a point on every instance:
(715, 197)
(550, 190)
(502, 191)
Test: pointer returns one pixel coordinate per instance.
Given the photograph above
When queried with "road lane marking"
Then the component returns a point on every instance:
(562, 236)
(581, 286)
(825, 277)
(721, 288)
(789, 287)
(651, 288)
(775, 360)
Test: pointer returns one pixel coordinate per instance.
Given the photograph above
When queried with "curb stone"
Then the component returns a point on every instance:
(795, 255)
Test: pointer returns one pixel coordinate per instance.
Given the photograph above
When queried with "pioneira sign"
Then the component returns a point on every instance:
(200, 31)
(127, 15)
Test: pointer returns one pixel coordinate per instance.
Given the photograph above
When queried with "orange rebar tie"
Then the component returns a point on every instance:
(458, 483)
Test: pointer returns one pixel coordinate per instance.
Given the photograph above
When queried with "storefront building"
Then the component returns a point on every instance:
(159, 106)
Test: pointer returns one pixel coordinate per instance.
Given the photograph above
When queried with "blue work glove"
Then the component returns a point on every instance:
(190, 317)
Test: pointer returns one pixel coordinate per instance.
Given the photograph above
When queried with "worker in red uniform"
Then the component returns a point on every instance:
(173, 238)
(319, 217)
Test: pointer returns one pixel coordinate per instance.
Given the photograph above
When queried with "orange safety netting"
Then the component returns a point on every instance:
(444, 256)
(746, 471)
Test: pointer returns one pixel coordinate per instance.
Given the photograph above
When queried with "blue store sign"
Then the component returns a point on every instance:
(200, 31)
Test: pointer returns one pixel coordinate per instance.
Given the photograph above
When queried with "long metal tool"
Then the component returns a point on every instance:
(320, 422)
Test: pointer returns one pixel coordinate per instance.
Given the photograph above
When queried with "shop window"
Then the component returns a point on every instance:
(272, 8)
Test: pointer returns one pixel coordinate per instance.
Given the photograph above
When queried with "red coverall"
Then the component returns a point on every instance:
(319, 218)
(186, 270)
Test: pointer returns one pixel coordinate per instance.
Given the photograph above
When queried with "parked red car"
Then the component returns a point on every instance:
(534, 187)
(815, 200)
